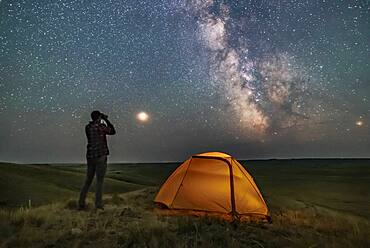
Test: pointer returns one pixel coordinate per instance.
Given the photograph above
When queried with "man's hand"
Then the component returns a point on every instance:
(110, 128)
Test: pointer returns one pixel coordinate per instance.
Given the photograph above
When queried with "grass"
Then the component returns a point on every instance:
(40, 184)
(313, 203)
(129, 221)
(339, 185)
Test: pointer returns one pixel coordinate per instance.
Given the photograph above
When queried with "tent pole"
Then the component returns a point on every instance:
(233, 208)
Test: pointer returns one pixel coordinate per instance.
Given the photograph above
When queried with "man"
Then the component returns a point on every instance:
(96, 155)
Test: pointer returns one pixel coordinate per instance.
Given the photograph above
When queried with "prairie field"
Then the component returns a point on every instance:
(313, 203)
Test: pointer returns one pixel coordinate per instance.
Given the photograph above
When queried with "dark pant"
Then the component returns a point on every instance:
(96, 166)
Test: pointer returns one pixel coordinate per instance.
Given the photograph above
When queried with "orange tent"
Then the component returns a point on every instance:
(212, 183)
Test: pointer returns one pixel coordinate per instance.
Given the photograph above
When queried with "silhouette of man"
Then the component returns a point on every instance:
(96, 155)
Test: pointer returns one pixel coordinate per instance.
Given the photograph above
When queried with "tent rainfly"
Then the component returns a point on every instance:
(212, 183)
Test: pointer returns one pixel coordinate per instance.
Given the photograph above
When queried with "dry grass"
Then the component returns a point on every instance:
(129, 221)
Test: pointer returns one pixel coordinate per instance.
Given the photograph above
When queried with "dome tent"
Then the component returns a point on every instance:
(212, 183)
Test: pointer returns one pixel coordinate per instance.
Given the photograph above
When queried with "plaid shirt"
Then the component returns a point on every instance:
(97, 140)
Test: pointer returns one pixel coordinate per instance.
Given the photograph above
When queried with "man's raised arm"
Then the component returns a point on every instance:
(109, 129)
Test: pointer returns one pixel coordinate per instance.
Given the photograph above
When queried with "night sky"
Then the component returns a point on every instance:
(256, 79)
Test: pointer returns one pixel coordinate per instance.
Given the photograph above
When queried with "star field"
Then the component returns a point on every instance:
(256, 79)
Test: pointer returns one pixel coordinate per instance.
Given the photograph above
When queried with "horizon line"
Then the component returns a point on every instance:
(168, 161)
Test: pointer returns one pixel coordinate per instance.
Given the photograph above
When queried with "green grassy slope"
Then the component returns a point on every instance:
(143, 174)
(339, 185)
(43, 184)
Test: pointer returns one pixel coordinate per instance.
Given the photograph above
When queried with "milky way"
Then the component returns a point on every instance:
(253, 78)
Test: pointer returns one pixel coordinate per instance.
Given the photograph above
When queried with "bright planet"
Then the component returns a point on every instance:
(142, 116)
(359, 123)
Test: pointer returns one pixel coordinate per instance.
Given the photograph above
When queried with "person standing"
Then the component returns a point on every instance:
(96, 155)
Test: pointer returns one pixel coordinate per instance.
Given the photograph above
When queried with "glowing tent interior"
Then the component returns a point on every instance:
(212, 183)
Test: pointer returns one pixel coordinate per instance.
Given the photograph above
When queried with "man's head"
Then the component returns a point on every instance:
(96, 115)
